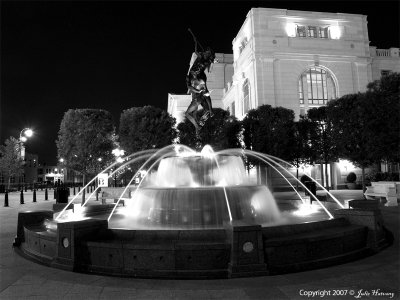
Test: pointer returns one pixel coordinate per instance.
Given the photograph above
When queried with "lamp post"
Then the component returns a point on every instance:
(23, 137)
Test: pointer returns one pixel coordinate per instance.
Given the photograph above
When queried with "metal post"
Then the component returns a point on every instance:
(34, 195)
(74, 190)
(21, 198)
(6, 199)
(46, 195)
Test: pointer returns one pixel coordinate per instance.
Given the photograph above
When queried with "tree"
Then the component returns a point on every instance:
(144, 128)
(222, 131)
(301, 147)
(86, 135)
(350, 133)
(323, 143)
(269, 130)
(382, 108)
(11, 163)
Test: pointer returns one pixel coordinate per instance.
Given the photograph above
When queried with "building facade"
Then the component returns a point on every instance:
(297, 60)
(294, 59)
(300, 60)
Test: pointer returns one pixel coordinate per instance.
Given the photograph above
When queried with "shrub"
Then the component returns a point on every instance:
(382, 176)
(351, 177)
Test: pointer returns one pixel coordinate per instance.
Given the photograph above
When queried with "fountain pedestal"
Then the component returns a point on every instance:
(70, 236)
(372, 219)
(247, 257)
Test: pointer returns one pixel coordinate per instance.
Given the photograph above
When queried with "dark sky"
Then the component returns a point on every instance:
(117, 55)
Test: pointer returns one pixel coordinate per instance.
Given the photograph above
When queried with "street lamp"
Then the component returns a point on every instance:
(25, 134)
(23, 137)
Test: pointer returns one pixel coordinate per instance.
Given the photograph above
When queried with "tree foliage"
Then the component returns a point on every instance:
(222, 131)
(323, 146)
(322, 141)
(382, 108)
(350, 120)
(301, 147)
(11, 163)
(86, 135)
(144, 128)
(269, 130)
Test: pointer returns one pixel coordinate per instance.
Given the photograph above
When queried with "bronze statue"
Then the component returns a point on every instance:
(196, 81)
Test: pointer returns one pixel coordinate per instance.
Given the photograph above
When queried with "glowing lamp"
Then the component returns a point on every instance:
(291, 29)
(335, 32)
(345, 165)
(29, 132)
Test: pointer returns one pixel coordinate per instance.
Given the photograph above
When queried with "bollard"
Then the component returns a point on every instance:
(46, 195)
(97, 195)
(21, 198)
(34, 195)
(74, 190)
(55, 193)
(6, 199)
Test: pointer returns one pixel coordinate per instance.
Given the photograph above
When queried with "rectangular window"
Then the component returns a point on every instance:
(309, 87)
(312, 31)
(243, 45)
(301, 95)
(301, 31)
(246, 104)
(323, 32)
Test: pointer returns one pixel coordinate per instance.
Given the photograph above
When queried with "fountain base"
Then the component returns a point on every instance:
(236, 250)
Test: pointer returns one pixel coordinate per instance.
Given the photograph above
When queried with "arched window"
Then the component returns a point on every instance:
(316, 86)
(246, 97)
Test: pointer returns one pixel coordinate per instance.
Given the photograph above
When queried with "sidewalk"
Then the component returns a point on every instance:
(377, 275)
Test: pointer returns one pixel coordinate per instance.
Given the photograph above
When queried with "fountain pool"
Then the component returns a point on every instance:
(197, 215)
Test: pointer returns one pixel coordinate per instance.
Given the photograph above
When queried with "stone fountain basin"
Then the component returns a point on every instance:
(237, 249)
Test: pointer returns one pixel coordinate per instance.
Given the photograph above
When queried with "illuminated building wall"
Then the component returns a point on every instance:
(300, 59)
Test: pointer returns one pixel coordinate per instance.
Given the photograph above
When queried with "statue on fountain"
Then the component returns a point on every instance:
(196, 81)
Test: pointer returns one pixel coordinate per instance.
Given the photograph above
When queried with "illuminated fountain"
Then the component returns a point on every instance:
(196, 190)
(194, 215)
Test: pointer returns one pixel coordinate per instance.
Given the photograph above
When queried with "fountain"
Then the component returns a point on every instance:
(196, 215)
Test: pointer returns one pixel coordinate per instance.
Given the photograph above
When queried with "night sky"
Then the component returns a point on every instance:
(117, 55)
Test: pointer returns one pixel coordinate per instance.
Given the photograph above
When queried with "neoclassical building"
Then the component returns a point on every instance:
(297, 60)
(300, 60)
(293, 59)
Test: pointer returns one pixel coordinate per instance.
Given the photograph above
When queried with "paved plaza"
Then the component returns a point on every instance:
(373, 277)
